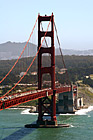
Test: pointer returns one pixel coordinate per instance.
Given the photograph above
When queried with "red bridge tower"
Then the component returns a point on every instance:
(51, 107)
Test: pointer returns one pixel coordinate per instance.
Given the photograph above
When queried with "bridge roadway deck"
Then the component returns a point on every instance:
(17, 99)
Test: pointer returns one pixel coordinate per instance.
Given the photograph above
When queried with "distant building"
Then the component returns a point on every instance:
(33, 73)
(17, 91)
(21, 74)
(62, 71)
(91, 76)
(87, 77)
(48, 83)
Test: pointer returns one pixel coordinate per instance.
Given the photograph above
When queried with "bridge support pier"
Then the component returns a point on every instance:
(47, 111)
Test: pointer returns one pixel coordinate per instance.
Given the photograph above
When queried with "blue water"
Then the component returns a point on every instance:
(12, 127)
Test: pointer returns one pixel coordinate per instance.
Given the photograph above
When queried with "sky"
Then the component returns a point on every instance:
(73, 18)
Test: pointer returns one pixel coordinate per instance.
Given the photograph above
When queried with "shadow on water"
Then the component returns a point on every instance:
(19, 134)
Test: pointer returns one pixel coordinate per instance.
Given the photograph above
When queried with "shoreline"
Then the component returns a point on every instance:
(82, 111)
(32, 109)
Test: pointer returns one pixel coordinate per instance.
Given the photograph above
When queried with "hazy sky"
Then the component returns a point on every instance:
(74, 20)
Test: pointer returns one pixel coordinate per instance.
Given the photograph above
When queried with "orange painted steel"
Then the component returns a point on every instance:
(32, 96)
(44, 70)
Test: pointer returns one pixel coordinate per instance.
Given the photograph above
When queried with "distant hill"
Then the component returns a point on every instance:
(75, 52)
(12, 50)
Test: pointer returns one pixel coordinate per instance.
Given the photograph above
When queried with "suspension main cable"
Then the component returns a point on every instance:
(30, 63)
(61, 53)
(20, 54)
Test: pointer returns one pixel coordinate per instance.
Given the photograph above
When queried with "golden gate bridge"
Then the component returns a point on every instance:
(43, 95)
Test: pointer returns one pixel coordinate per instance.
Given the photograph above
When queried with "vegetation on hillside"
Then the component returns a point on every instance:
(78, 67)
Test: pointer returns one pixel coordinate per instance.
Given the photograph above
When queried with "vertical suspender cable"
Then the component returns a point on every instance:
(61, 53)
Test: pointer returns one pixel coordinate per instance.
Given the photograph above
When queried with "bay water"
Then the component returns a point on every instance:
(12, 123)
